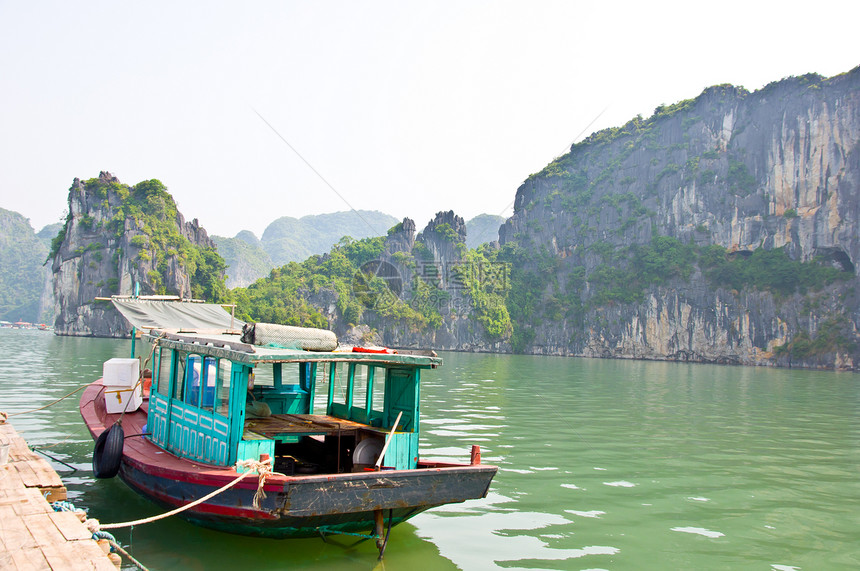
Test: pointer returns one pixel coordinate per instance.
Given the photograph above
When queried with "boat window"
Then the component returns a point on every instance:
(194, 371)
(378, 404)
(164, 362)
(264, 377)
(340, 384)
(222, 388)
(321, 394)
(290, 374)
(207, 385)
(179, 383)
(359, 386)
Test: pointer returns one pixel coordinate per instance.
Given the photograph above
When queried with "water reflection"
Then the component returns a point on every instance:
(633, 456)
(603, 464)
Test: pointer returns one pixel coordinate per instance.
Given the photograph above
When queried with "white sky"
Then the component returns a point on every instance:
(403, 108)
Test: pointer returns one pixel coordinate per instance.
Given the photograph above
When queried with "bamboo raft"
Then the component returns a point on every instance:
(32, 534)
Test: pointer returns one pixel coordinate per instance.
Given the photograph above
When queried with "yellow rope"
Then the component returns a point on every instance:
(4, 415)
(261, 468)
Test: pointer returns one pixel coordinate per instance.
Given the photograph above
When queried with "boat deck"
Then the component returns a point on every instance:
(302, 425)
(32, 534)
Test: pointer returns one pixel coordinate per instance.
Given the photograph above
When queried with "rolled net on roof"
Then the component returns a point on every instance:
(289, 337)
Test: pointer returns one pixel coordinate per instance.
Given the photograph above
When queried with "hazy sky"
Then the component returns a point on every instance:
(401, 107)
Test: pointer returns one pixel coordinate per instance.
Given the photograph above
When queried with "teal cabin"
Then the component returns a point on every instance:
(218, 402)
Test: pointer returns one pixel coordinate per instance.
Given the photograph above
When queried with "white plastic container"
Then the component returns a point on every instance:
(121, 372)
(119, 399)
(122, 393)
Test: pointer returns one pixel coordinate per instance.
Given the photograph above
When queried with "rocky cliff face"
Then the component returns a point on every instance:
(116, 236)
(776, 168)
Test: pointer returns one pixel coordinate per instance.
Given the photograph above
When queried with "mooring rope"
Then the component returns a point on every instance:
(5, 415)
(127, 555)
(262, 468)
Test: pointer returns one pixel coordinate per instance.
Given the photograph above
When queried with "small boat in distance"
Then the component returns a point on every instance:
(339, 428)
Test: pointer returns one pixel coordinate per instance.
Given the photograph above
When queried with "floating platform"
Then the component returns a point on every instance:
(32, 534)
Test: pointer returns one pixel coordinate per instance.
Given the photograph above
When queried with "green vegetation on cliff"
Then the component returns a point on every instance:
(770, 270)
(287, 295)
(487, 282)
(625, 274)
(834, 334)
(154, 211)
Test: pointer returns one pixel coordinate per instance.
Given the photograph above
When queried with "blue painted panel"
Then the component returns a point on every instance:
(193, 434)
(252, 446)
(402, 452)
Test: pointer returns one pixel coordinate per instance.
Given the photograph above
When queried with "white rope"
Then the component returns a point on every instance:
(262, 468)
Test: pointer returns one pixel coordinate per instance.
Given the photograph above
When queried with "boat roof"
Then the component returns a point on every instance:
(207, 329)
(171, 313)
(229, 346)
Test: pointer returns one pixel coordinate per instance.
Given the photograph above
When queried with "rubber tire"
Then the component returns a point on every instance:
(107, 455)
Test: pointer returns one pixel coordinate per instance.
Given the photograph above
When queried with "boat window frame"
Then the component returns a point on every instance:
(180, 363)
(221, 406)
(209, 363)
(339, 389)
(188, 392)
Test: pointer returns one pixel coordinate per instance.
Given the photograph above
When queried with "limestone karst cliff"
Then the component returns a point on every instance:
(433, 273)
(116, 236)
(776, 170)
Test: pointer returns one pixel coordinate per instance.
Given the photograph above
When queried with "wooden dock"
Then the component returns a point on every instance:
(32, 534)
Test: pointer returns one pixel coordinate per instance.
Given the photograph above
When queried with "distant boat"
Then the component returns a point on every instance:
(341, 428)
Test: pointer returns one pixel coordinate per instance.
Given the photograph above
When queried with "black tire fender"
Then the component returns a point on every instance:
(107, 455)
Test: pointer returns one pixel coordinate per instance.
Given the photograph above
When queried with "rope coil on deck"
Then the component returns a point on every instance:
(262, 468)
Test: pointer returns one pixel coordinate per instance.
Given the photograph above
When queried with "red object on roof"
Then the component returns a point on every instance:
(384, 350)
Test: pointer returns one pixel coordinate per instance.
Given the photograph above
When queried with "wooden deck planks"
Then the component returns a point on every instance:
(301, 424)
(32, 535)
(33, 470)
(69, 526)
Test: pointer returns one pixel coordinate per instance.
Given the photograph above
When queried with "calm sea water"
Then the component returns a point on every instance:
(603, 465)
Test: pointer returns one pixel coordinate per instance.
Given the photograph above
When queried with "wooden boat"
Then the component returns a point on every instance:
(341, 429)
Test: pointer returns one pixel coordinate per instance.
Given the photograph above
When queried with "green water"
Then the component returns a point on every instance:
(603, 465)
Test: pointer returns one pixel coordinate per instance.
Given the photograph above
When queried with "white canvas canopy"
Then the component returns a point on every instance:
(175, 315)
